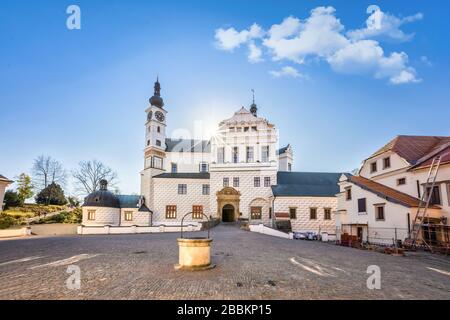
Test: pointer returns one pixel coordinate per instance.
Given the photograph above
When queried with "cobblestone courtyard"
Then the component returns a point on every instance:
(249, 266)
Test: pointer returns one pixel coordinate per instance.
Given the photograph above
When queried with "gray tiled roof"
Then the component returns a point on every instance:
(187, 145)
(282, 150)
(184, 175)
(304, 184)
(128, 201)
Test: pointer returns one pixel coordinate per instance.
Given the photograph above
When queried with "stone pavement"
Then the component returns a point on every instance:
(249, 266)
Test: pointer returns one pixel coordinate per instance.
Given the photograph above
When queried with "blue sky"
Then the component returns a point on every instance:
(81, 94)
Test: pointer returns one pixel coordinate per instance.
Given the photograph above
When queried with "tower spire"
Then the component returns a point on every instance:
(253, 107)
(156, 100)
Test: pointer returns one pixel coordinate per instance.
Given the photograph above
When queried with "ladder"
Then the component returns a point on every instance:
(425, 200)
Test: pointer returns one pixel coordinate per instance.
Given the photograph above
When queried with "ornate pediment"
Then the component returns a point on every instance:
(228, 191)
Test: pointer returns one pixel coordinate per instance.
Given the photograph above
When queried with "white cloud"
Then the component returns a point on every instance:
(230, 39)
(287, 71)
(382, 24)
(255, 53)
(322, 36)
(405, 76)
(367, 57)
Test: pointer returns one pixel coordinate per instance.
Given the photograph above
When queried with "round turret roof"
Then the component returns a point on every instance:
(102, 198)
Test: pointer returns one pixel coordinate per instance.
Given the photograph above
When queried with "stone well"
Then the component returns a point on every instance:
(194, 254)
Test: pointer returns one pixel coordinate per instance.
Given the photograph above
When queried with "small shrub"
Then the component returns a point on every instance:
(11, 199)
(7, 221)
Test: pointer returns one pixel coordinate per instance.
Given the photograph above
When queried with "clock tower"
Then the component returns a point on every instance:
(155, 144)
(155, 128)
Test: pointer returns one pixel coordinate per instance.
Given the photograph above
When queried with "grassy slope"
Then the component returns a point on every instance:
(17, 216)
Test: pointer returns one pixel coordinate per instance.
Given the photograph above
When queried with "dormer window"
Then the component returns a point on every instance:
(239, 129)
(254, 129)
(387, 163)
(246, 129)
(373, 167)
(158, 143)
(231, 129)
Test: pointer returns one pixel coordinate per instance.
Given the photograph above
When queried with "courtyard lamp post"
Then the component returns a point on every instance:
(194, 252)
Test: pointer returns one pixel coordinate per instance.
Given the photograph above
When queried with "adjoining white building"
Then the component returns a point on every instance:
(4, 182)
(238, 175)
(380, 203)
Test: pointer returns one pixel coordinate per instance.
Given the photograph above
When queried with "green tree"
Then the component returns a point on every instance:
(24, 187)
(53, 194)
(73, 202)
(11, 199)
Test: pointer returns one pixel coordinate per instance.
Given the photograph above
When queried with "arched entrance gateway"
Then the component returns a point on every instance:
(228, 213)
(228, 204)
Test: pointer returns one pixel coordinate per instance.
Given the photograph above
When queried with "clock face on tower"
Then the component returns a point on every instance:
(159, 116)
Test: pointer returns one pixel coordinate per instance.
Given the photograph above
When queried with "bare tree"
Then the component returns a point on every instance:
(47, 170)
(88, 175)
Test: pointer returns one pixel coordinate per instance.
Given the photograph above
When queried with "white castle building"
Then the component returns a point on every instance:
(240, 174)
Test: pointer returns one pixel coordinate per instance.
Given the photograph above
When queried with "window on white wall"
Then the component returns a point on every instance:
(91, 214)
(157, 162)
(235, 182)
(174, 168)
(182, 189)
(220, 155)
(362, 205)
(386, 163)
(250, 154)
(257, 182)
(266, 181)
(379, 212)
(326, 214)
(293, 213)
(348, 193)
(256, 213)
(226, 182)
(401, 181)
(235, 155)
(128, 216)
(373, 167)
(171, 212)
(205, 189)
(265, 154)
(435, 195)
(197, 212)
(312, 213)
(203, 167)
